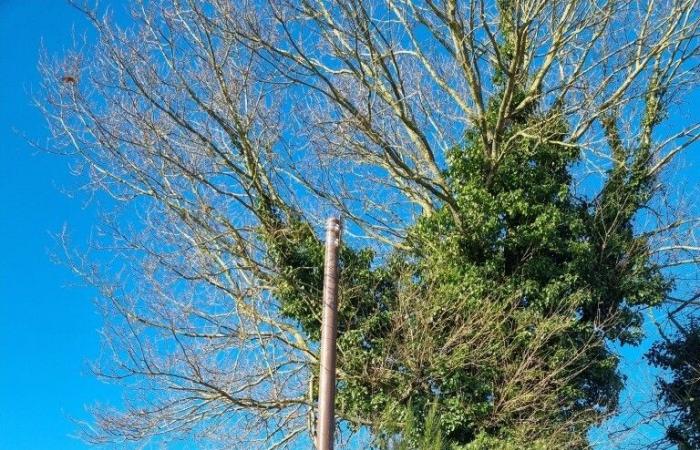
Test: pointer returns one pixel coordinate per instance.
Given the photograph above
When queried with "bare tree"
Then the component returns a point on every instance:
(213, 125)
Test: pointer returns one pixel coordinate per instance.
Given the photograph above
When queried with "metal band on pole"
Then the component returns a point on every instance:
(326, 394)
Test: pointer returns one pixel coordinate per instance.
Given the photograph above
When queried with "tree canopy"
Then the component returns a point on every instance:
(503, 168)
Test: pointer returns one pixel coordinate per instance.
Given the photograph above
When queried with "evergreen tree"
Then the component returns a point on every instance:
(681, 391)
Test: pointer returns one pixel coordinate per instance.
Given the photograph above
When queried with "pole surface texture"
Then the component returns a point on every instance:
(326, 394)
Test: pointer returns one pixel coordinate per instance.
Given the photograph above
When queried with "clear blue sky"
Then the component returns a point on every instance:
(48, 330)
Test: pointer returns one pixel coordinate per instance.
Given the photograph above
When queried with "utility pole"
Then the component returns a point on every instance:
(326, 394)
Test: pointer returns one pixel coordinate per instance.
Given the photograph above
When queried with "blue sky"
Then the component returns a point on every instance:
(48, 329)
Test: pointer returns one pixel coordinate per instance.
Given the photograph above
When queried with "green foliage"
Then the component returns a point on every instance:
(495, 315)
(682, 390)
(298, 254)
(413, 434)
(557, 276)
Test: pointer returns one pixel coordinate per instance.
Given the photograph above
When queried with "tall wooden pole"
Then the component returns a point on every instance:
(326, 394)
